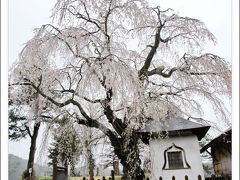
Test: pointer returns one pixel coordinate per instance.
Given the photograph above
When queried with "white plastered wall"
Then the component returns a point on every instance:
(191, 147)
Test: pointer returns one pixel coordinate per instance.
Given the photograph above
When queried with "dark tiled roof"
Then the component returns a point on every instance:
(172, 124)
(178, 124)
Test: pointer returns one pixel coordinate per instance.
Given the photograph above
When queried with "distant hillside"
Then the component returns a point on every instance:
(17, 165)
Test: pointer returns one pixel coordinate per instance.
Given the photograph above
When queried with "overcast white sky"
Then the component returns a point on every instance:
(25, 15)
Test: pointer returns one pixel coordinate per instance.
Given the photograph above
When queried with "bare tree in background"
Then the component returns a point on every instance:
(25, 121)
(127, 61)
(89, 154)
(109, 159)
(66, 146)
(70, 142)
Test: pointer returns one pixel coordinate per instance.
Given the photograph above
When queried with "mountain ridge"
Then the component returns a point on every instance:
(17, 165)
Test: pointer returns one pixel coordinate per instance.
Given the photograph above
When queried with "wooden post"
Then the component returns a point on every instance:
(54, 171)
(213, 177)
(112, 174)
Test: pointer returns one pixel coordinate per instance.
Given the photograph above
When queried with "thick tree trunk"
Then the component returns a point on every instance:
(128, 153)
(125, 143)
(125, 147)
(32, 151)
(132, 169)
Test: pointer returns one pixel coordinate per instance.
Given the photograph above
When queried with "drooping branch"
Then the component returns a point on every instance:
(58, 104)
(207, 122)
(114, 138)
(106, 24)
(188, 67)
(117, 123)
(93, 101)
(185, 68)
(201, 73)
(168, 93)
(61, 36)
(87, 19)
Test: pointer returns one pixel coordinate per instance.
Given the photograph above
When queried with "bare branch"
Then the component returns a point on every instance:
(67, 102)
(87, 19)
(158, 71)
(28, 131)
(93, 101)
(153, 50)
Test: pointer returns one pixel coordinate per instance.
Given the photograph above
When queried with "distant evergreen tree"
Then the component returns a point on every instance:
(53, 154)
(64, 149)
(16, 130)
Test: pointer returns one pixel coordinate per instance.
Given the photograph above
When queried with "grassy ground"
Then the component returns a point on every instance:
(96, 178)
(87, 178)
(81, 178)
(44, 178)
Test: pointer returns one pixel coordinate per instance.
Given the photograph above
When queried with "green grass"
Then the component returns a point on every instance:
(95, 178)
(44, 178)
(87, 178)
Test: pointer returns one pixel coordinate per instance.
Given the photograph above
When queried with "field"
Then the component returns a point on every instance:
(81, 178)
(87, 178)
(96, 178)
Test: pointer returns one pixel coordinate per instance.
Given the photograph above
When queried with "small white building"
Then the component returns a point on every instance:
(175, 150)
